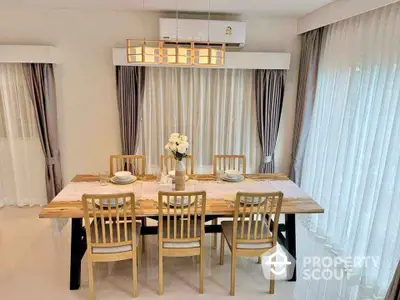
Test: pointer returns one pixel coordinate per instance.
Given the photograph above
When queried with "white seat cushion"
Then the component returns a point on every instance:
(227, 229)
(182, 245)
(194, 244)
(114, 249)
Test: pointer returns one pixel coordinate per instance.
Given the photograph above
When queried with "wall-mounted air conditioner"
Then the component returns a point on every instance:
(232, 33)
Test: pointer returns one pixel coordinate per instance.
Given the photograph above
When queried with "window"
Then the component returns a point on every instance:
(215, 108)
(22, 171)
(352, 162)
(15, 104)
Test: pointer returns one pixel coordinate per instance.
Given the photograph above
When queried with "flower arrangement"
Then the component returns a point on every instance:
(178, 145)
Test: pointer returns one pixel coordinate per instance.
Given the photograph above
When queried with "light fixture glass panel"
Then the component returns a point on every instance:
(135, 50)
(201, 52)
(151, 50)
(169, 54)
(185, 60)
(152, 59)
(216, 52)
(135, 58)
(168, 51)
(182, 51)
(171, 59)
(202, 60)
(216, 61)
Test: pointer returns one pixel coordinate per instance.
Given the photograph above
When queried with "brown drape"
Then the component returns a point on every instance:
(130, 89)
(311, 44)
(393, 292)
(269, 89)
(41, 85)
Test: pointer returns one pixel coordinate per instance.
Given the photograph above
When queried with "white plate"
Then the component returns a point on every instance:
(116, 181)
(123, 175)
(226, 178)
(233, 173)
(112, 202)
(178, 202)
(244, 200)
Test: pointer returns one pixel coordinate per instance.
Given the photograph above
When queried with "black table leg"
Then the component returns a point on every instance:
(290, 230)
(78, 249)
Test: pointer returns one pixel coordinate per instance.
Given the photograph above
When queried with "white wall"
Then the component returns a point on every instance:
(88, 115)
(337, 11)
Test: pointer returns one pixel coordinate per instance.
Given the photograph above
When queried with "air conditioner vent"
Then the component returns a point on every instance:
(232, 33)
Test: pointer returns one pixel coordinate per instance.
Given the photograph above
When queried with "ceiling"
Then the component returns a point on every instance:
(268, 7)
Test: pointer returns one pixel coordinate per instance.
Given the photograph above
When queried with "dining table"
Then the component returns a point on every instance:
(220, 199)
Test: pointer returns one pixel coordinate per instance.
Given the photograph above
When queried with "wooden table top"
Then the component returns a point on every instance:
(74, 209)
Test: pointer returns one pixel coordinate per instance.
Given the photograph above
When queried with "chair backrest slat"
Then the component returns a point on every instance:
(227, 162)
(250, 218)
(132, 163)
(243, 219)
(196, 205)
(103, 223)
(125, 210)
(110, 214)
(175, 217)
(257, 220)
(263, 218)
(118, 222)
(188, 221)
(251, 212)
(167, 163)
(110, 223)
(96, 230)
(182, 209)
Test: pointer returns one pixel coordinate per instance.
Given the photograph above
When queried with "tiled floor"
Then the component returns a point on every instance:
(34, 264)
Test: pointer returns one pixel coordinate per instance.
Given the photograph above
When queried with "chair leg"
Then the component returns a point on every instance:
(160, 272)
(91, 282)
(144, 223)
(135, 273)
(222, 249)
(139, 255)
(214, 242)
(201, 289)
(272, 280)
(233, 270)
(259, 260)
(272, 287)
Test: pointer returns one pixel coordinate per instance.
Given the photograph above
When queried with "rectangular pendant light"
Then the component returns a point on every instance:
(175, 53)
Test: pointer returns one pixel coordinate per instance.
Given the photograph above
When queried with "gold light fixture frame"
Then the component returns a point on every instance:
(180, 53)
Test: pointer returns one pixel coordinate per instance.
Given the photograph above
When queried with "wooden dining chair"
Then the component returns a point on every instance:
(229, 162)
(181, 229)
(132, 163)
(222, 163)
(113, 234)
(167, 163)
(251, 232)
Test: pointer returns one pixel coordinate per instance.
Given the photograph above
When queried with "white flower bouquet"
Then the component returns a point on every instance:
(177, 145)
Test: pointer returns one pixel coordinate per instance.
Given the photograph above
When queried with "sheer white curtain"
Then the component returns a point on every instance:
(215, 108)
(22, 177)
(352, 159)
